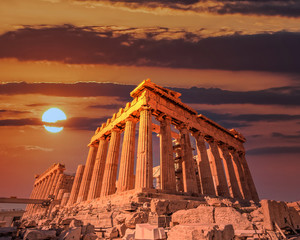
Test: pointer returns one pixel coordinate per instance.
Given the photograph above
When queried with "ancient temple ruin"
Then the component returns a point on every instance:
(220, 170)
(52, 183)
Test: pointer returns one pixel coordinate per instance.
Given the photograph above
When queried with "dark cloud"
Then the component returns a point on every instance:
(107, 106)
(287, 137)
(287, 8)
(274, 150)
(276, 52)
(13, 112)
(76, 123)
(287, 96)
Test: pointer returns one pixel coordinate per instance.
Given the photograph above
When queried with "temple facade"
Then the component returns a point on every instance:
(218, 169)
(52, 183)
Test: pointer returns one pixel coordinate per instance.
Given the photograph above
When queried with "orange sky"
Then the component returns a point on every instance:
(244, 64)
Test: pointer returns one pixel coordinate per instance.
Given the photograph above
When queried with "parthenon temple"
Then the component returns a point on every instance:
(216, 166)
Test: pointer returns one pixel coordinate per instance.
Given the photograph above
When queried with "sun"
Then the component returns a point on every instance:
(53, 115)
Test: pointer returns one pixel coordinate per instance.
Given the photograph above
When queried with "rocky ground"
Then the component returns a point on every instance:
(211, 218)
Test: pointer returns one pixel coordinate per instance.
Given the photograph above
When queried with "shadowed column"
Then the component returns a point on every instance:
(144, 164)
(232, 182)
(111, 166)
(240, 174)
(167, 168)
(76, 185)
(188, 168)
(127, 157)
(45, 187)
(97, 176)
(87, 174)
(218, 170)
(58, 185)
(248, 176)
(204, 170)
(58, 171)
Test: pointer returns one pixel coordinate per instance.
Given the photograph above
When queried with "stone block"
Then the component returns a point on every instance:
(200, 232)
(176, 205)
(192, 204)
(75, 223)
(111, 233)
(136, 218)
(121, 229)
(159, 206)
(149, 232)
(160, 221)
(71, 234)
(129, 234)
(228, 215)
(35, 234)
(201, 215)
(90, 236)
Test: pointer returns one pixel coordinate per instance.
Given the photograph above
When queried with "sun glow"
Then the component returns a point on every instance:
(53, 115)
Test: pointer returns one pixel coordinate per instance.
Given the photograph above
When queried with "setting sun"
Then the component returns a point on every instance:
(53, 115)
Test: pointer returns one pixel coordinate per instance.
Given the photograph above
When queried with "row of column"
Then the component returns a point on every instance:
(45, 187)
(222, 172)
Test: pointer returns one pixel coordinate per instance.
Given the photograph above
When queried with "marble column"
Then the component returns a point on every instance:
(232, 182)
(58, 185)
(167, 168)
(240, 174)
(76, 185)
(57, 172)
(126, 170)
(111, 166)
(203, 164)
(97, 176)
(87, 174)
(218, 172)
(47, 180)
(52, 178)
(144, 164)
(248, 176)
(188, 166)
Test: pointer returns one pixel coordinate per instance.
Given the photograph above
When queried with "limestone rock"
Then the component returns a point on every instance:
(35, 234)
(159, 206)
(129, 234)
(201, 215)
(215, 202)
(192, 204)
(176, 205)
(121, 229)
(200, 232)
(228, 215)
(294, 217)
(90, 236)
(75, 223)
(136, 218)
(111, 233)
(71, 234)
(147, 231)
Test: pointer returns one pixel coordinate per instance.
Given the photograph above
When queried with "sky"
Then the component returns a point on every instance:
(236, 62)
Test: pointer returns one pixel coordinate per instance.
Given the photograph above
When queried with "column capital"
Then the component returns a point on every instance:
(162, 117)
(182, 126)
(209, 139)
(145, 107)
(132, 119)
(198, 134)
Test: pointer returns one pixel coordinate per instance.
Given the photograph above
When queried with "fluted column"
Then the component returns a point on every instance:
(188, 166)
(232, 182)
(111, 166)
(126, 170)
(218, 170)
(87, 174)
(50, 184)
(97, 176)
(203, 164)
(240, 174)
(248, 176)
(58, 185)
(76, 185)
(144, 164)
(57, 172)
(47, 180)
(167, 168)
